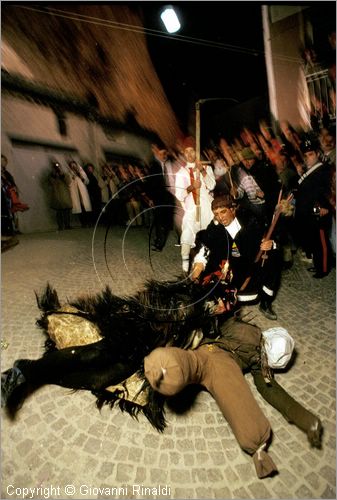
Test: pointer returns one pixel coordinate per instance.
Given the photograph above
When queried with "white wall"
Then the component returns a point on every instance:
(36, 125)
(37, 122)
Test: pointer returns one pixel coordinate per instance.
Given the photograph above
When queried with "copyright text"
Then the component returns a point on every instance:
(70, 490)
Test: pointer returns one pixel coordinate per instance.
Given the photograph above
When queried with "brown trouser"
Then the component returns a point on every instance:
(223, 378)
(292, 411)
(221, 375)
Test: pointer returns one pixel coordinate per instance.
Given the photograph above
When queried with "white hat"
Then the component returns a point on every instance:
(279, 346)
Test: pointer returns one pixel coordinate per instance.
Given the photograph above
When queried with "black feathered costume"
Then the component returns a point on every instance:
(99, 342)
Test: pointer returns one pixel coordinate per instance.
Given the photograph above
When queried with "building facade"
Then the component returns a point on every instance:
(300, 52)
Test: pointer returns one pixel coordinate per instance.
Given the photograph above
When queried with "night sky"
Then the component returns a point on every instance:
(190, 71)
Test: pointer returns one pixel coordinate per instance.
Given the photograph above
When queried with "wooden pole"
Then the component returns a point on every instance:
(267, 236)
(197, 154)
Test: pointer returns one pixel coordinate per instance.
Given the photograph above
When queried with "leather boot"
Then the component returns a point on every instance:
(267, 310)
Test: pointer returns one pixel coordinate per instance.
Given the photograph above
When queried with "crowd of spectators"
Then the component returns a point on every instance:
(111, 194)
(261, 167)
(257, 167)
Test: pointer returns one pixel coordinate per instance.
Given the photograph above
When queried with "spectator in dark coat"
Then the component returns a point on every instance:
(313, 211)
(60, 194)
(163, 200)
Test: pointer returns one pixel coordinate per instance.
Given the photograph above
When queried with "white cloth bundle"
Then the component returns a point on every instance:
(279, 346)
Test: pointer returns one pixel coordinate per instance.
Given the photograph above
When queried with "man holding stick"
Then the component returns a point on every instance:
(194, 183)
(235, 241)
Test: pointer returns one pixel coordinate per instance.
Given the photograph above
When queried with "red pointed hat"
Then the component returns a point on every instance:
(188, 142)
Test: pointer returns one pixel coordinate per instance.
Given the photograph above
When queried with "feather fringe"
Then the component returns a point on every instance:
(154, 410)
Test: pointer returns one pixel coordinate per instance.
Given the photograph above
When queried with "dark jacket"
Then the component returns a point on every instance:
(240, 252)
(163, 199)
(312, 189)
(156, 187)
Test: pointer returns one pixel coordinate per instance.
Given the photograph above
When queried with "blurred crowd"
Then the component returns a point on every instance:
(258, 168)
(111, 194)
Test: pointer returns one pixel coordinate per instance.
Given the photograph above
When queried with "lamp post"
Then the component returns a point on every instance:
(197, 138)
(197, 118)
(201, 101)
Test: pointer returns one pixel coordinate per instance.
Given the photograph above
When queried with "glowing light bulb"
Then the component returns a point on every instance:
(170, 20)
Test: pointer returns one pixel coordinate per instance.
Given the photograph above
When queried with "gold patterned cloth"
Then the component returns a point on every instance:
(132, 389)
(67, 329)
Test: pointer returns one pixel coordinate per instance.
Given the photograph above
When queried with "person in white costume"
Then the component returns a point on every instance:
(190, 178)
(79, 192)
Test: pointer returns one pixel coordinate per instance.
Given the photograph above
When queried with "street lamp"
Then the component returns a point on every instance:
(197, 118)
(170, 19)
(201, 101)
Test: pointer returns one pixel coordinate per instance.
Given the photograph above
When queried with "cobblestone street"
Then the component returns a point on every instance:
(59, 438)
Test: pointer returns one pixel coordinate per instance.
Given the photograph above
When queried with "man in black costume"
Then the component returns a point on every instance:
(228, 248)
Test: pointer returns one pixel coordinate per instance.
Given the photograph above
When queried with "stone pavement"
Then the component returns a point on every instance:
(62, 447)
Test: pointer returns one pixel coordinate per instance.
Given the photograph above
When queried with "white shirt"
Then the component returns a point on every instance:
(233, 228)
